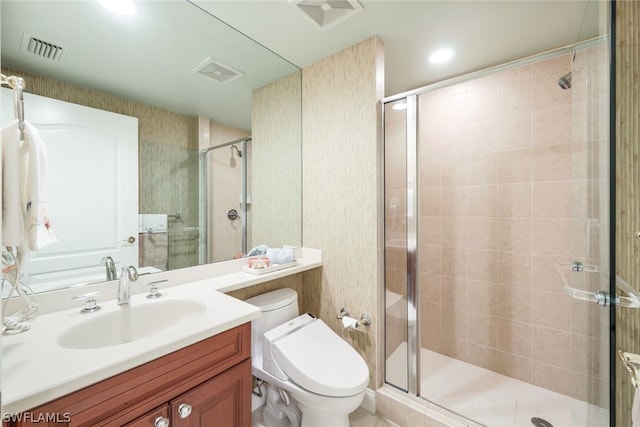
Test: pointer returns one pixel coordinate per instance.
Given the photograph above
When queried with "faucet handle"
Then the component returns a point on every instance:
(90, 304)
(153, 289)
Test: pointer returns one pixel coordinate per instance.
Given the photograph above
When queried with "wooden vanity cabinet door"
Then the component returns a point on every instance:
(223, 401)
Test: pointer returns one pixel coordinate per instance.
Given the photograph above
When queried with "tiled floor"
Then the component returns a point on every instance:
(492, 399)
(362, 418)
(359, 418)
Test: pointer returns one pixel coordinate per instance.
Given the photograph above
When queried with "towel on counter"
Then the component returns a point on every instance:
(28, 225)
(280, 255)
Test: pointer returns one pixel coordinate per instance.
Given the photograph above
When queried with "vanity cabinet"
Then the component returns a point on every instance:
(205, 384)
(155, 418)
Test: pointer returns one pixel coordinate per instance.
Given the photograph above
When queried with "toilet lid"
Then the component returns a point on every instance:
(317, 359)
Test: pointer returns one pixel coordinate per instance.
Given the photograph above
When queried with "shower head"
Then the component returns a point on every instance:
(565, 81)
(237, 151)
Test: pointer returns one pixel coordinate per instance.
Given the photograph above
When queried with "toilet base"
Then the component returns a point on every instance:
(314, 418)
(322, 411)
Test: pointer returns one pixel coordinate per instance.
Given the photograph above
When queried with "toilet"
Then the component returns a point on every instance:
(301, 355)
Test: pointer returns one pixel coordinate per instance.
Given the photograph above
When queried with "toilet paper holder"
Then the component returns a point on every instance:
(365, 319)
(631, 362)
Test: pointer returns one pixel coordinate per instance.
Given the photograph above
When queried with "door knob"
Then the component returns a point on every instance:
(130, 239)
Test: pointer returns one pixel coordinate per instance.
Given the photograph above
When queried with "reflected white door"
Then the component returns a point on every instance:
(91, 186)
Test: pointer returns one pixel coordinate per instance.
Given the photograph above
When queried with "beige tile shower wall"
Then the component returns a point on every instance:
(505, 194)
(277, 132)
(224, 189)
(168, 175)
(341, 194)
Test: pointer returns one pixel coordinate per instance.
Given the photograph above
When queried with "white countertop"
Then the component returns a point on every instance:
(36, 369)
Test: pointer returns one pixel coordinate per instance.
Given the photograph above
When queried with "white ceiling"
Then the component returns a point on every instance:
(483, 33)
(149, 57)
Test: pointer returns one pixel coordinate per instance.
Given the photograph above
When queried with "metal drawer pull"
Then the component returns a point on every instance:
(184, 410)
(161, 422)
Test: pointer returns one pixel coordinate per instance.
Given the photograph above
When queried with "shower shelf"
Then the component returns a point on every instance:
(630, 297)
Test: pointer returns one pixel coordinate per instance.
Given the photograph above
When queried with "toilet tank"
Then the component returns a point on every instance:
(276, 308)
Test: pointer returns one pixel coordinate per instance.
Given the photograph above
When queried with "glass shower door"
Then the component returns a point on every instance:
(397, 244)
(513, 191)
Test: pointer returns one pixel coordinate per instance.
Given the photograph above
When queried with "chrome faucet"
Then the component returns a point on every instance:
(110, 267)
(128, 275)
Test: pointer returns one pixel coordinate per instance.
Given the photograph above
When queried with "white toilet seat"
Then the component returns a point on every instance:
(320, 361)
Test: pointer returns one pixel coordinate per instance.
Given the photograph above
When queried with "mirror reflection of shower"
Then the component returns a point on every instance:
(224, 189)
(232, 161)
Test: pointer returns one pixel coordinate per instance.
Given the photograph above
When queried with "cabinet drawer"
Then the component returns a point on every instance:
(151, 419)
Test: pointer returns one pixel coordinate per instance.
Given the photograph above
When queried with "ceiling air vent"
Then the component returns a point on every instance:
(326, 14)
(217, 71)
(42, 48)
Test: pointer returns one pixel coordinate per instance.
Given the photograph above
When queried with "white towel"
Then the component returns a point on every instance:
(280, 255)
(12, 219)
(25, 220)
(38, 230)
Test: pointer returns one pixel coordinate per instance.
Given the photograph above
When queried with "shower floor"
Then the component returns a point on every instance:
(489, 398)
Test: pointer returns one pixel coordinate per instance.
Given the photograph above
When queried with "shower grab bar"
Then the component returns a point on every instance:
(603, 298)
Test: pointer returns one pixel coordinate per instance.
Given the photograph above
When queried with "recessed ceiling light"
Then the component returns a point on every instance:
(121, 7)
(441, 55)
(399, 106)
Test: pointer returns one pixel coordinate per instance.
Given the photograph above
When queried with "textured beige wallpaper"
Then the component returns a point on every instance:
(276, 127)
(341, 186)
(627, 189)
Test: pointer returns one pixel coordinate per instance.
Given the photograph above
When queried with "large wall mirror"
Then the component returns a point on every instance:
(217, 124)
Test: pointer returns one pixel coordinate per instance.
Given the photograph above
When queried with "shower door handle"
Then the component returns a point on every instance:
(600, 297)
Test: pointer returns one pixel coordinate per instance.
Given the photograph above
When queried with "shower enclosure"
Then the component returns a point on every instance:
(496, 214)
(225, 200)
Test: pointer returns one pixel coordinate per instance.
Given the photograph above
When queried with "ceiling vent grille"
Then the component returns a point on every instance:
(218, 72)
(42, 48)
(326, 14)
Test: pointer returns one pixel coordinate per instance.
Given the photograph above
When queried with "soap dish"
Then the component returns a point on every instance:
(270, 269)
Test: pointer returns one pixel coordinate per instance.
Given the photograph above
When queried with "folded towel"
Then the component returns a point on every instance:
(280, 256)
(258, 250)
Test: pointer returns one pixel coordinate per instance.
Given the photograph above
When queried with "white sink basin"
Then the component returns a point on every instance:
(129, 323)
